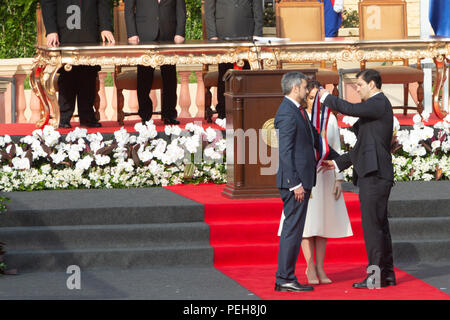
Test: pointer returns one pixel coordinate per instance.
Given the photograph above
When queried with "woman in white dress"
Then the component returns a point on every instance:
(327, 215)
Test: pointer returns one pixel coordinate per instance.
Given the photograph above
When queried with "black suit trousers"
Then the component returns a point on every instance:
(374, 195)
(291, 235)
(169, 91)
(79, 85)
(223, 68)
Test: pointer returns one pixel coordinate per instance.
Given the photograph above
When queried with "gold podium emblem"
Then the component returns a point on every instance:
(269, 134)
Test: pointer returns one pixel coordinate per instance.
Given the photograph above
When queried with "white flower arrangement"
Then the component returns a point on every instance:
(46, 161)
(221, 123)
(420, 154)
(349, 137)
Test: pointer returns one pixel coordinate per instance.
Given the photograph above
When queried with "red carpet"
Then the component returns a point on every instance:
(243, 233)
(260, 280)
(23, 129)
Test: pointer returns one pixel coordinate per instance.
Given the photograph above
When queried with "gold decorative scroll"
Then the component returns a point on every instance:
(317, 51)
(153, 59)
(49, 60)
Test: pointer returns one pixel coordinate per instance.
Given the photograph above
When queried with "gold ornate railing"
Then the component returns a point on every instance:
(266, 56)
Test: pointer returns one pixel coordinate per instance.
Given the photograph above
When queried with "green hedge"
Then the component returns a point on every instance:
(18, 26)
(194, 19)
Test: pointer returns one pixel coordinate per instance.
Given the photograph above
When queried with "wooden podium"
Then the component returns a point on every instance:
(252, 99)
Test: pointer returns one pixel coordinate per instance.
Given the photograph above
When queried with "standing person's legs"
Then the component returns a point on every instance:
(220, 107)
(86, 95)
(144, 85)
(223, 68)
(321, 245)
(67, 84)
(308, 248)
(388, 260)
(169, 97)
(291, 235)
(374, 195)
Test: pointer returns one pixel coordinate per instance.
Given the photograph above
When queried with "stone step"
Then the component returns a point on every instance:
(99, 207)
(406, 251)
(433, 228)
(108, 236)
(419, 208)
(123, 258)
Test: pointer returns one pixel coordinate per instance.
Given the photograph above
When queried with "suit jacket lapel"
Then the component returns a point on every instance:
(307, 126)
(293, 106)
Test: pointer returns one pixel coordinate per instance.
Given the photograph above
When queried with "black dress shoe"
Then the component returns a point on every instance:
(292, 286)
(361, 285)
(365, 283)
(388, 282)
(91, 124)
(389, 279)
(65, 126)
(171, 121)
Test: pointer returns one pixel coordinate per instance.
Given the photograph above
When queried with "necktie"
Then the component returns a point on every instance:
(302, 110)
(308, 124)
(303, 113)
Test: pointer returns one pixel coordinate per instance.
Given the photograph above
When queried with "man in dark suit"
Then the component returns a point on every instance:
(372, 169)
(296, 175)
(156, 20)
(77, 22)
(228, 20)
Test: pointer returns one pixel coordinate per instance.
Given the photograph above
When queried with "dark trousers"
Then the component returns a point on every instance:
(374, 195)
(223, 68)
(79, 84)
(291, 235)
(169, 92)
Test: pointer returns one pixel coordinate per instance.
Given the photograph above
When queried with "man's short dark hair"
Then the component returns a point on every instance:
(370, 75)
(290, 80)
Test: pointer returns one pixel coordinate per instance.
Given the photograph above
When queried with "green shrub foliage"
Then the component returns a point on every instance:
(18, 26)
